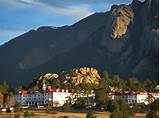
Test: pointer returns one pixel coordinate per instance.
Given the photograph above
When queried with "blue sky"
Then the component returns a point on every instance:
(19, 16)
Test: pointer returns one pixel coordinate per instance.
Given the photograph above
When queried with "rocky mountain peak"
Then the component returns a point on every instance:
(122, 16)
(135, 4)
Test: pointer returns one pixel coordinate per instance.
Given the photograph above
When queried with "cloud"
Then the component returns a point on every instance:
(77, 11)
(26, 1)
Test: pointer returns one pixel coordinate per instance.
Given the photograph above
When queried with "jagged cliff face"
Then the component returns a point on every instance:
(123, 40)
(122, 18)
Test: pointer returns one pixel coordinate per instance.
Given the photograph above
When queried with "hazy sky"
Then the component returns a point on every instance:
(19, 16)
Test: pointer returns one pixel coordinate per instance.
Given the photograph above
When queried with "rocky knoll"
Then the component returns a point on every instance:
(91, 42)
(74, 77)
(83, 75)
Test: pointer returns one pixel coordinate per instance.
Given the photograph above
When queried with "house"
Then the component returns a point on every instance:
(134, 97)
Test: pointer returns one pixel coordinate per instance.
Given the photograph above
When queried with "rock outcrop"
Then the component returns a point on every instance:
(74, 77)
(83, 75)
(122, 16)
(48, 77)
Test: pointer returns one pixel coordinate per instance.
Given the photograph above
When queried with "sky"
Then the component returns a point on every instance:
(20, 16)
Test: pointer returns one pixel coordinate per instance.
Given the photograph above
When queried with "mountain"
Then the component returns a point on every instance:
(123, 40)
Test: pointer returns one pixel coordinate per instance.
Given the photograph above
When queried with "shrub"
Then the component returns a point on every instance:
(112, 105)
(32, 114)
(48, 111)
(18, 107)
(27, 114)
(65, 116)
(80, 103)
(152, 114)
(91, 115)
(65, 107)
(17, 116)
(8, 110)
(117, 114)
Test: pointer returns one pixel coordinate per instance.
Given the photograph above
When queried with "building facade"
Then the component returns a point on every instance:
(136, 97)
(55, 98)
(49, 97)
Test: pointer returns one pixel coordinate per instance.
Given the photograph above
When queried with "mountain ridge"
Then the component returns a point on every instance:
(89, 42)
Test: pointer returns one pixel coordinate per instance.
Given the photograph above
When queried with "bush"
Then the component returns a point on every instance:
(91, 115)
(32, 114)
(80, 103)
(152, 114)
(27, 114)
(48, 111)
(112, 105)
(8, 110)
(65, 107)
(17, 116)
(154, 106)
(136, 108)
(65, 117)
(18, 107)
(117, 114)
(119, 109)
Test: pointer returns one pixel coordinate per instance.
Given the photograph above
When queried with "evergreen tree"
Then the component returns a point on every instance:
(4, 88)
(105, 83)
(148, 85)
(134, 84)
(117, 82)
(101, 98)
(19, 88)
(124, 108)
(112, 105)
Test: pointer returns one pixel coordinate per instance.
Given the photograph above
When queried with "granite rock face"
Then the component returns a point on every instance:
(122, 16)
(83, 75)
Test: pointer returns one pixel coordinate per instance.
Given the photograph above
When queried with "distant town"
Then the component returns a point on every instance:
(83, 89)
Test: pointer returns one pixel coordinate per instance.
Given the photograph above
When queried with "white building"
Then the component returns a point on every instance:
(57, 97)
(130, 98)
(51, 97)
